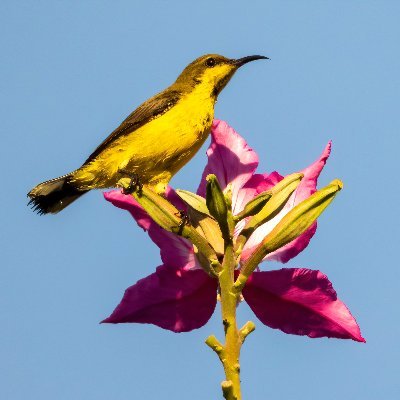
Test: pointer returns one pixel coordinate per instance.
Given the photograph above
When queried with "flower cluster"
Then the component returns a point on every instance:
(180, 296)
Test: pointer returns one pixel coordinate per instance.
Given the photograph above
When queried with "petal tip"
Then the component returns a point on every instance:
(112, 195)
(107, 195)
(327, 151)
(329, 146)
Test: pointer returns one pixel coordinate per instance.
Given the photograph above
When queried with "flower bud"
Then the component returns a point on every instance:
(193, 200)
(167, 216)
(280, 194)
(216, 203)
(301, 217)
(254, 206)
(291, 226)
(211, 232)
(202, 220)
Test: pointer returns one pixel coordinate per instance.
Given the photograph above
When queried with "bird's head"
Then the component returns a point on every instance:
(212, 72)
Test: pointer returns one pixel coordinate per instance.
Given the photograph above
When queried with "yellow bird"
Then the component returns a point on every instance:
(154, 142)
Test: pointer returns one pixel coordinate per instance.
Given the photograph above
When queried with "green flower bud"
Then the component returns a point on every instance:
(301, 217)
(280, 194)
(254, 206)
(211, 232)
(168, 217)
(291, 226)
(202, 220)
(216, 203)
(193, 200)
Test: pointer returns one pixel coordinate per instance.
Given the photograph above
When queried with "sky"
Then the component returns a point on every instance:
(72, 71)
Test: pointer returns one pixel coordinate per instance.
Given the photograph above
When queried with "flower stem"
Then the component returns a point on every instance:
(229, 353)
(219, 204)
(229, 300)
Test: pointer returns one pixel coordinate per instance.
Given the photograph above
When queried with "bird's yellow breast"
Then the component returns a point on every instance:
(156, 150)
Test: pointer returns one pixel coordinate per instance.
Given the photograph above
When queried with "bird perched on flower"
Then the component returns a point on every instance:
(180, 296)
(154, 142)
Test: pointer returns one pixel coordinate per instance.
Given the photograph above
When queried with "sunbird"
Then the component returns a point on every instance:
(154, 142)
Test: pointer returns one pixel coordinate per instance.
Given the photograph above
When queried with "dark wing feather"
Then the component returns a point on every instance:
(150, 109)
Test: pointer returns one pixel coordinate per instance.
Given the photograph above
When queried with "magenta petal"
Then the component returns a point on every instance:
(120, 200)
(175, 251)
(308, 184)
(173, 299)
(306, 188)
(230, 159)
(272, 179)
(254, 186)
(300, 301)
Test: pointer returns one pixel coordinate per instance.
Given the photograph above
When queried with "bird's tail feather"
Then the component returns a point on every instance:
(54, 195)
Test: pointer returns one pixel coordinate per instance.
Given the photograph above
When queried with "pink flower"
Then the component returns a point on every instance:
(180, 296)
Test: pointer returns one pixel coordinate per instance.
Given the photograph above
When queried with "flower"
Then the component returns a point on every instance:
(180, 296)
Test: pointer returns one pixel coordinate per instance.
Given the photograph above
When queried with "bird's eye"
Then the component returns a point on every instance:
(210, 62)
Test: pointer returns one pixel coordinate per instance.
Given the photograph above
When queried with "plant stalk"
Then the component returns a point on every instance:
(219, 204)
(231, 351)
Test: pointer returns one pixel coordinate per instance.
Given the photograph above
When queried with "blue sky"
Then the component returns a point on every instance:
(71, 71)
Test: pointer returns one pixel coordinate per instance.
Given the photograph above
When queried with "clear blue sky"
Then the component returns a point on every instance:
(72, 70)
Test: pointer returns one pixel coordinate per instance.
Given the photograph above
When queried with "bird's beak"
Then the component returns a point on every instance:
(244, 60)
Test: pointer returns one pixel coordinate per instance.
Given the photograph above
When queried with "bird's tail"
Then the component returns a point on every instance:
(54, 195)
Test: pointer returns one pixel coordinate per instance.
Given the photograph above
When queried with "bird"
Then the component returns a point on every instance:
(154, 142)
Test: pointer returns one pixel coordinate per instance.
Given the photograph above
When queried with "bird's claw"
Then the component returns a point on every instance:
(185, 220)
(135, 184)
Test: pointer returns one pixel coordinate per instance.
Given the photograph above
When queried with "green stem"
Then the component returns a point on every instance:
(229, 353)
(219, 204)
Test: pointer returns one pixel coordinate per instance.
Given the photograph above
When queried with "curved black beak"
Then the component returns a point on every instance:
(244, 60)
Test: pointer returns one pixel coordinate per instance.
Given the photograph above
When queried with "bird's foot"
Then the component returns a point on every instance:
(135, 183)
(185, 220)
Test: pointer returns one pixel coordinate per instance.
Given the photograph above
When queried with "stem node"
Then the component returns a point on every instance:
(215, 344)
(227, 390)
(246, 329)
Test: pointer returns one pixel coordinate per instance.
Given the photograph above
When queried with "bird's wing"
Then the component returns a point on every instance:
(150, 109)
